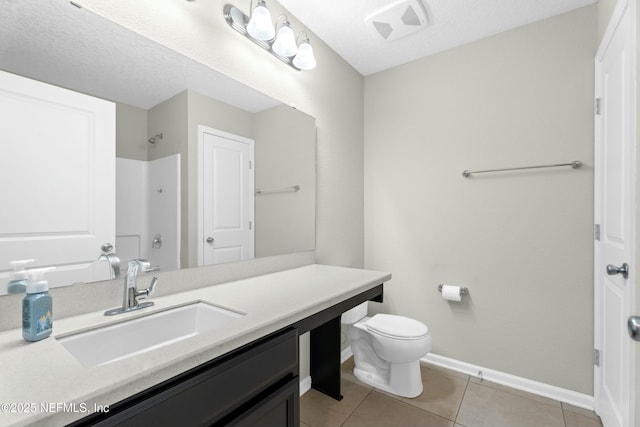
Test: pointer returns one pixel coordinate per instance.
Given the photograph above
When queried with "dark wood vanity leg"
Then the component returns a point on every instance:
(325, 358)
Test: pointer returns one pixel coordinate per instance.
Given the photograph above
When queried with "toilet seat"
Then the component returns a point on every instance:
(397, 327)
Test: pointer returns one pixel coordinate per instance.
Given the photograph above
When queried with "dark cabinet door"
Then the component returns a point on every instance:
(279, 409)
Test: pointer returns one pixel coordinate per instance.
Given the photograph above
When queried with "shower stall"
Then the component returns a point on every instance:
(148, 210)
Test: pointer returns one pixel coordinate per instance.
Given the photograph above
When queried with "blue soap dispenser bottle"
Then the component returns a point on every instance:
(18, 278)
(37, 317)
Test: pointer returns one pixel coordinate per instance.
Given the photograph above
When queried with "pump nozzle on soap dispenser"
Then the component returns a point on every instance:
(18, 278)
(37, 282)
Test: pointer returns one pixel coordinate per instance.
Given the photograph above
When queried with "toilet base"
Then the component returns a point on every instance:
(402, 379)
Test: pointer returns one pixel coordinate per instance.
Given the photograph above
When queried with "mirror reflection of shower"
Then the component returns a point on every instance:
(155, 138)
(148, 210)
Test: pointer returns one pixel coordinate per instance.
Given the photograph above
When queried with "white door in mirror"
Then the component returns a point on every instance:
(57, 176)
(226, 200)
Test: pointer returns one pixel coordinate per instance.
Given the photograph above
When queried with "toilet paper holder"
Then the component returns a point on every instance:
(463, 291)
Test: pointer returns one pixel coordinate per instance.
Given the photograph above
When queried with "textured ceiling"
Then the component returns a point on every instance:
(58, 43)
(341, 24)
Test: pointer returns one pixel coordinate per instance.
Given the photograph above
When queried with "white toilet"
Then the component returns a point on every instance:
(387, 350)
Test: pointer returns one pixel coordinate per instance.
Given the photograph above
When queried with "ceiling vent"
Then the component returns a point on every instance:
(399, 19)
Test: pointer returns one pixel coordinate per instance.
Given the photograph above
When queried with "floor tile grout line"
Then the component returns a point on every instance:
(409, 403)
(592, 413)
(357, 406)
(395, 399)
(466, 387)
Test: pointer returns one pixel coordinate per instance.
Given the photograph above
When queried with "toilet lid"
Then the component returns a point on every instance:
(397, 326)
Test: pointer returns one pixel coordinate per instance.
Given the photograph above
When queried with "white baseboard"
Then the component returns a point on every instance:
(519, 383)
(345, 354)
(556, 393)
(305, 385)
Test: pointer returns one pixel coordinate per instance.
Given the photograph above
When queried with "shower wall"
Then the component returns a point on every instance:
(148, 205)
(164, 211)
(131, 208)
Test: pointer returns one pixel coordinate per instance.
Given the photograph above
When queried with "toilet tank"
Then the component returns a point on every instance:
(350, 317)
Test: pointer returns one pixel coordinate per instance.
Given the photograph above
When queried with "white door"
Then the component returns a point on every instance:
(57, 179)
(226, 197)
(615, 213)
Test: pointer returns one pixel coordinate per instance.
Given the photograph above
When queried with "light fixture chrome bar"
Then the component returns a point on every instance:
(238, 21)
(293, 188)
(575, 165)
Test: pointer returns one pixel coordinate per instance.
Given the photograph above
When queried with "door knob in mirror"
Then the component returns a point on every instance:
(612, 270)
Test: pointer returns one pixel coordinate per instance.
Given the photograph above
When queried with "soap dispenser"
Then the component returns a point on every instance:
(18, 278)
(37, 318)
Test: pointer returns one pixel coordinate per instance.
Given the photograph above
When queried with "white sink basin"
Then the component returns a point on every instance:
(129, 337)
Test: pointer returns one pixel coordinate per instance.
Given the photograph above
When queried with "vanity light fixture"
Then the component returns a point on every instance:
(285, 42)
(305, 60)
(279, 41)
(259, 26)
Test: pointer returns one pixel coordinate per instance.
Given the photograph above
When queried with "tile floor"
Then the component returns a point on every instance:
(450, 399)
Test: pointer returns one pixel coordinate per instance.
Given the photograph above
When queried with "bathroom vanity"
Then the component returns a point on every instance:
(234, 389)
(243, 374)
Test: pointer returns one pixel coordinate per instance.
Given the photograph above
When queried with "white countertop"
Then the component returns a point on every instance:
(44, 372)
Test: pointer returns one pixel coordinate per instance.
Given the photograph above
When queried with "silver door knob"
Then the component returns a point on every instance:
(209, 239)
(612, 270)
(634, 327)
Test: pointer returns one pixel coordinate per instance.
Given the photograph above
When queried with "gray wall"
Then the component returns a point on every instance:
(131, 132)
(285, 152)
(605, 10)
(522, 241)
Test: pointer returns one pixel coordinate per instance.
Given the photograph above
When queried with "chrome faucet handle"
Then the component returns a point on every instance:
(150, 269)
(144, 293)
(145, 266)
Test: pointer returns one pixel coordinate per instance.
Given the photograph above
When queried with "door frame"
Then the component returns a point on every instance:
(223, 134)
(629, 7)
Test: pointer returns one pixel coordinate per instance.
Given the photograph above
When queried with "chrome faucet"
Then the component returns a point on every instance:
(131, 291)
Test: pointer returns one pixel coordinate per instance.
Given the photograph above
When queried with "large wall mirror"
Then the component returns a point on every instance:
(176, 176)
